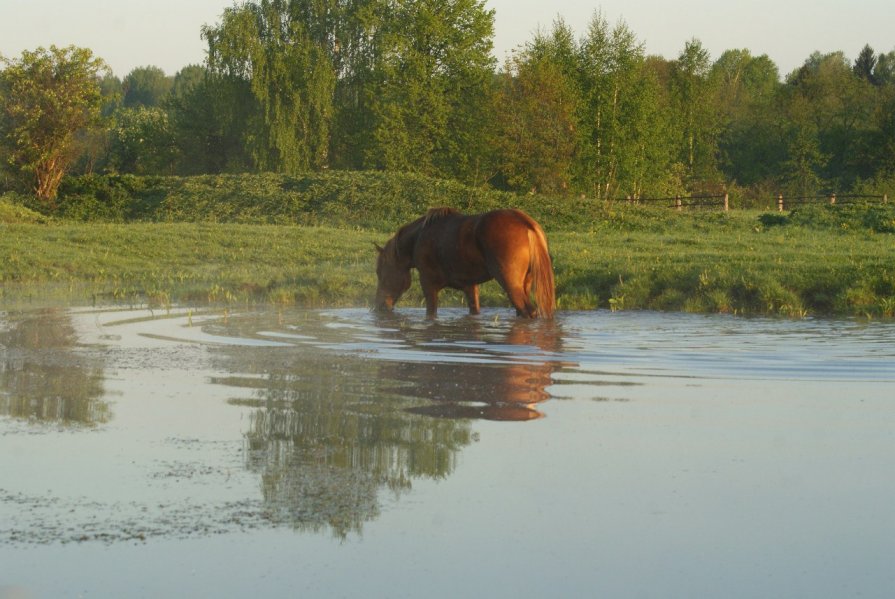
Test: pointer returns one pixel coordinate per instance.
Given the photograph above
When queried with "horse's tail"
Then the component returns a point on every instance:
(541, 270)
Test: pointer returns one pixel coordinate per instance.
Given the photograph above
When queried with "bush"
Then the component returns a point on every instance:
(372, 200)
(773, 219)
(13, 210)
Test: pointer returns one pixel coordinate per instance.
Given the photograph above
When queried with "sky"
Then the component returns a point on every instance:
(166, 33)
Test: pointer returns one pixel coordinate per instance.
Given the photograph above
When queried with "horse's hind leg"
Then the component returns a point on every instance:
(520, 297)
(523, 305)
(515, 279)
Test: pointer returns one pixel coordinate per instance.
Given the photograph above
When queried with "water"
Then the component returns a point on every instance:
(337, 453)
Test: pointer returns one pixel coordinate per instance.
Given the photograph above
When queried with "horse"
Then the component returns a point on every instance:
(450, 249)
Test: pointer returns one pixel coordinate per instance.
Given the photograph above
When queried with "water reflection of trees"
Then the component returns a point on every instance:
(325, 443)
(43, 376)
(332, 429)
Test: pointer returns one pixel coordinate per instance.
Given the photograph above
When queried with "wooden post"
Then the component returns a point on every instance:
(885, 198)
(678, 204)
(832, 199)
(780, 203)
(726, 202)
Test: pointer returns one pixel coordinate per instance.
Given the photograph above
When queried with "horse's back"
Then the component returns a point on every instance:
(505, 230)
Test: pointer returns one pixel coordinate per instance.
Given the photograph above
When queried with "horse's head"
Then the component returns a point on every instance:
(393, 273)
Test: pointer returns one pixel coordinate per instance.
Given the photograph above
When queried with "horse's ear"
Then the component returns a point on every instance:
(378, 247)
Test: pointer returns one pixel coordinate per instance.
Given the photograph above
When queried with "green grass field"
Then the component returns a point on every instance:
(730, 265)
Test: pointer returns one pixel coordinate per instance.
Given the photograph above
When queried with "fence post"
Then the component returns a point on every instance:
(833, 199)
(885, 198)
(780, 203)
(726, 202)
(678, 203)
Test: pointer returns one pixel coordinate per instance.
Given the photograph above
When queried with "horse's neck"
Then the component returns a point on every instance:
(406, 238)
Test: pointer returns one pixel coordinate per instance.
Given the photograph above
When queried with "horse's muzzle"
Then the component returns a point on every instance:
(384, 304)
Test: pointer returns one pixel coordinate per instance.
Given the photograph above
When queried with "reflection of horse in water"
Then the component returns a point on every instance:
(452, 250)
(504, 380)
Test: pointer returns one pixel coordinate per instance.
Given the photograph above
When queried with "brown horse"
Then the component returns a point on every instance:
(453, 250)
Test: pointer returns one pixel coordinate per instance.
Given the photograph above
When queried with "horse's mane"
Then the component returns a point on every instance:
(434, 214)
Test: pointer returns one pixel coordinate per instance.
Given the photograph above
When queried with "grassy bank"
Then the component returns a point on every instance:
(742, 262)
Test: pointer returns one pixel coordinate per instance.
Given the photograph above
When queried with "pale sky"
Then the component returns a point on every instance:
(166, 33)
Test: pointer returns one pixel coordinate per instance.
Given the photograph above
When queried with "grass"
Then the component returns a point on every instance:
(186, 262)
(631, 258)
(733, 270)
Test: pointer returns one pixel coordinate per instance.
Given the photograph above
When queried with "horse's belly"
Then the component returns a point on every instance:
(458, 279)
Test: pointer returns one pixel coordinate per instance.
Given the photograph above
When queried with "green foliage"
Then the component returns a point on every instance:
(298, 86)
(692, 95)
(209, 116)
(433, 70)
(47, 97)
(535, 134)
(340, 198)
(833, 111)
(147, 87)
(865, 64)
(773, 219)
(625, 147)
(751, 141)
(141, 142)
(276, 49)
(586, 116)
(884, 70)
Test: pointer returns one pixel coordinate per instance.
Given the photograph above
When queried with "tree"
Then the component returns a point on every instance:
(141, 142)
(357, 50)
(112, 91)
(146, 86)
(843, 110)
(865, 63)
(48, 98)
(885, 143)
(209, 118)
(805, 162)
(536, 129)
(623, 118)
(697, 119)
(432, 79)
(187, 79)
(281, 50)
(751, 142)
(884, 70)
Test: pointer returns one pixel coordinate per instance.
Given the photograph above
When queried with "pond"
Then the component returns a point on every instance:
(338, 453)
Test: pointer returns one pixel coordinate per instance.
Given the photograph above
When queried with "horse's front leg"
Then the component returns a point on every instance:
(472, 298)
(430, 292)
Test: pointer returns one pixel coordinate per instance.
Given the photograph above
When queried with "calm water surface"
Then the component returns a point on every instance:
(336, 453)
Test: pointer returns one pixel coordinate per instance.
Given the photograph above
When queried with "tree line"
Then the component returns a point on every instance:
(293, 86)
